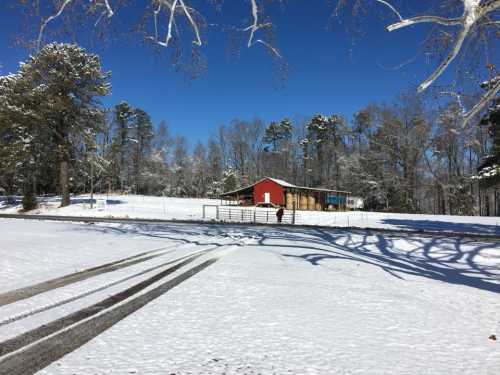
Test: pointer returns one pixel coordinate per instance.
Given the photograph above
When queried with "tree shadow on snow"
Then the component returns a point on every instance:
(451, 259)
(454, 260)
(440, 226)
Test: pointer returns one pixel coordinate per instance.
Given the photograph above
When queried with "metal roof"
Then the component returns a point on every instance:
(279, 182)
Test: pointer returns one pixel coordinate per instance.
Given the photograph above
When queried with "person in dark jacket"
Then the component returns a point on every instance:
(279, 214)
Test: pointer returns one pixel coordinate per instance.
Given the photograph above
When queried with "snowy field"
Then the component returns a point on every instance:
(132, 206)
(203, 299)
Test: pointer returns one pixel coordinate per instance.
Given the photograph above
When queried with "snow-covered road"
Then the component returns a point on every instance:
(270, 300)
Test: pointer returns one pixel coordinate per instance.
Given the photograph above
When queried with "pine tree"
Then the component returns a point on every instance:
(323, 141)
(141, 139)
(122, 117)
(61, 85)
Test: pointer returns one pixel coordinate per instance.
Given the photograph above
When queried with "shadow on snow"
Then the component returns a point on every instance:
(439, 226)
(450, 259)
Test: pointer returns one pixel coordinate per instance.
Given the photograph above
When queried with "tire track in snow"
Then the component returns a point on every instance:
(27, 338)
(41, 309)
(45, 286)
(45, 352)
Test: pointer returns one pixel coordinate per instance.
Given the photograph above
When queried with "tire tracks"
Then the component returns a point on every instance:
(41, 309)
(42, 353)
(45, 286)
(42, 331)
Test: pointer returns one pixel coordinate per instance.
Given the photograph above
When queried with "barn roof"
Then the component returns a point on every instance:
(279, 182)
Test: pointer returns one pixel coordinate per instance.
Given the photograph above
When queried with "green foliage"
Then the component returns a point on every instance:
(48, 111)
(277, 134)
(29, 201)
(230, 181)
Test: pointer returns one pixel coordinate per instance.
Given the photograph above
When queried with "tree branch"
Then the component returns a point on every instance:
(49, 20)
(193, 23)
(473, 12)
(447, 61)
(390, 7)
(425, 19)
(255, 26)
(108, 9)
(485, 99)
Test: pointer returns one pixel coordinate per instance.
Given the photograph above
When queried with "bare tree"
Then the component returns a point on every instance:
(478, 17)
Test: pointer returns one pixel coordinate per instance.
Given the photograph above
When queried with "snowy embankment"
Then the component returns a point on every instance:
(167, 208)
(287, 300)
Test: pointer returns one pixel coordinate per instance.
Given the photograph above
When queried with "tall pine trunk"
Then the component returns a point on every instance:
(64, 179)
(63, 159)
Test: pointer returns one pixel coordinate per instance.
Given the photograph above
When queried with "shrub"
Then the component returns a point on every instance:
(29, 201)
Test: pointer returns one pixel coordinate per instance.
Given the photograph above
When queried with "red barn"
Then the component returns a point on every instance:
(268, 190)
(281, 193)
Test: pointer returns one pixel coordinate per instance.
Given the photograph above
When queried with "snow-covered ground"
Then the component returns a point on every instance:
(287, 300)
(133, 206)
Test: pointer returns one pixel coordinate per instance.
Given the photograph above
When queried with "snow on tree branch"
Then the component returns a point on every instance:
(425, 19)
(49, 20)
(391, 7)
(255, 26)
(493, 88)
(474, 11)
(173, 8)
(108, 11)
(191, 20)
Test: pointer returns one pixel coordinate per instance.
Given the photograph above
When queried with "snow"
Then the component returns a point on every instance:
(281, 182)
(166, 208)
(121, 206)
(290, 300)
(30, 255)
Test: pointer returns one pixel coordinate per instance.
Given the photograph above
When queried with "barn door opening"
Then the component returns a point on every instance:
(267, 197)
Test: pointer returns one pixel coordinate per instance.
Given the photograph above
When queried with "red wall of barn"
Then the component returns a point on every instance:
(277, 193)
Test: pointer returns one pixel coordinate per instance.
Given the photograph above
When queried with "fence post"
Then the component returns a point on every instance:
(242, 216)
(267, 216)
(203, 211)
(293, 213)
(217, 212)
(255, 215)
(229, 214)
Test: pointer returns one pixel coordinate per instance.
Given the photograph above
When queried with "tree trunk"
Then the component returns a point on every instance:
(64, 179)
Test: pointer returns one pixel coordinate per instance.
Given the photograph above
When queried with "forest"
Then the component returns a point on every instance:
(56, 137)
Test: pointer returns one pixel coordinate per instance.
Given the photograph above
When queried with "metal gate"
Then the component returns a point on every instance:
(251, 215)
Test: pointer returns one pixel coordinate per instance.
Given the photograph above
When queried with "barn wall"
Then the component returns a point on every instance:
(277, 194)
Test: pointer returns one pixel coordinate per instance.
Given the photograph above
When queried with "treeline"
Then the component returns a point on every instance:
(56, 137)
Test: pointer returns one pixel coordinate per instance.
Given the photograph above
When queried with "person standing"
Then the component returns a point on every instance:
(279, 214)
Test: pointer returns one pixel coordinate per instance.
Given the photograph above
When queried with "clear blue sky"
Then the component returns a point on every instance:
(327, 74)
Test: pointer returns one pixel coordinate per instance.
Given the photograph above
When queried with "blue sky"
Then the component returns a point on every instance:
(326, 73)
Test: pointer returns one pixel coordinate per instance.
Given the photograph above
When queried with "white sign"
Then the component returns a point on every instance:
(101, 204)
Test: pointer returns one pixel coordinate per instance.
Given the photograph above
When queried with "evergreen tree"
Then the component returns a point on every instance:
(141, 140)
(54, 95)
(120, 151)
